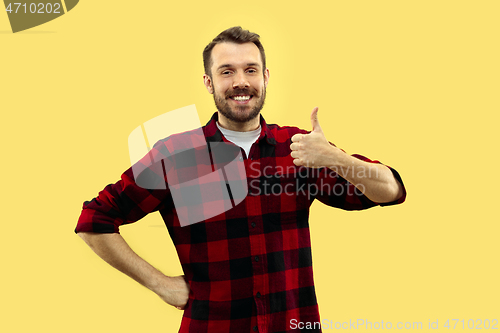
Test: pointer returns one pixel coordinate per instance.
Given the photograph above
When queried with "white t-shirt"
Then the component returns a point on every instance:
(244, 140)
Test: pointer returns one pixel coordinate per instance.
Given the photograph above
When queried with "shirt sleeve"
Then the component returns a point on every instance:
(126, 201)
(335, 191)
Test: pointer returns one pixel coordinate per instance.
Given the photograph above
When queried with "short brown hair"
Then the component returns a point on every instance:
(234, 35)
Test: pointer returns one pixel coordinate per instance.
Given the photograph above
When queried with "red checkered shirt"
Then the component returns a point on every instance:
(249, 268)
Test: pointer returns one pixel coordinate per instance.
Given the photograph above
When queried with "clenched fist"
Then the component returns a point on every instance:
(175, 291)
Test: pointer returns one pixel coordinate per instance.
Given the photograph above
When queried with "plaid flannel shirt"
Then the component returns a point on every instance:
(250, 267)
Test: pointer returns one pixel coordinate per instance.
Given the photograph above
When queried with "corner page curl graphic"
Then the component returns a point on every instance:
(25, 15)
(204, 179)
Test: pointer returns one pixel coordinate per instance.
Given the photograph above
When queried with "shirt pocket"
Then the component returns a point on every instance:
(285, 198)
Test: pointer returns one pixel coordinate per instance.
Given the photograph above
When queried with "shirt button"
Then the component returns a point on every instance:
(258, 295)
(241, 158)
(253, 224)
(256, 258)
(255, 328)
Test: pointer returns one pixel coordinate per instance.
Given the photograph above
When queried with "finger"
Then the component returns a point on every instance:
(297, 162)
(295, 146)
(297, 137)
(314, 120)
(294, 154)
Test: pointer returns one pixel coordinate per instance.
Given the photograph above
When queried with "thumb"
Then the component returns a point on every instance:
(314, 121)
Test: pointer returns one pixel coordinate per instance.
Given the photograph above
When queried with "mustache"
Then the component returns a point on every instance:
(242, 92)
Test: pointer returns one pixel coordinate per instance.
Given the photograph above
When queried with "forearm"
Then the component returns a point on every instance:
(113, 249)
(376, 181)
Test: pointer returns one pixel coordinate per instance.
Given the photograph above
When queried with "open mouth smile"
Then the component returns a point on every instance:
(241, 99)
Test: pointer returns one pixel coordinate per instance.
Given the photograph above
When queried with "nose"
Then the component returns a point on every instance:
(240, 81)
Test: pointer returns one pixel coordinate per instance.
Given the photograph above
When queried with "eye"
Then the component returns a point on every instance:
(226, 72)
(251, 70)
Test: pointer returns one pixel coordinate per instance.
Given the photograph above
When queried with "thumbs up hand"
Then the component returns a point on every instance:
(313, 149)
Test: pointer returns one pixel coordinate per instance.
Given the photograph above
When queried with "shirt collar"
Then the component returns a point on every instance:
(213, 134)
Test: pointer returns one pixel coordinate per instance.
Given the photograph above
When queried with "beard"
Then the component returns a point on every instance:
(240, 113)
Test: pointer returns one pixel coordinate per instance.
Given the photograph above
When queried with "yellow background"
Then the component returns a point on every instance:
(414, 84)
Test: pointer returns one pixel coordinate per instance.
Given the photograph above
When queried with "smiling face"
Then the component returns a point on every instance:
(238, 83)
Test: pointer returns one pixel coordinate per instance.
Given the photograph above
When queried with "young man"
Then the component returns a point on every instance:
(248, 269)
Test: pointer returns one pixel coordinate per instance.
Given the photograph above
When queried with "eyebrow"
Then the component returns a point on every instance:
(254, 64)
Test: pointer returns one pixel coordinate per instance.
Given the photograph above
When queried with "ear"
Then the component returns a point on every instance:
(208, 83)
(266, 77)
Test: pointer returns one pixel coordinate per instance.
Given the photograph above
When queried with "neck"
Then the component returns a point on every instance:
(231, 125)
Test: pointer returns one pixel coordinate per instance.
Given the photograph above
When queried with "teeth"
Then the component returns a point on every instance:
(241, 98)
